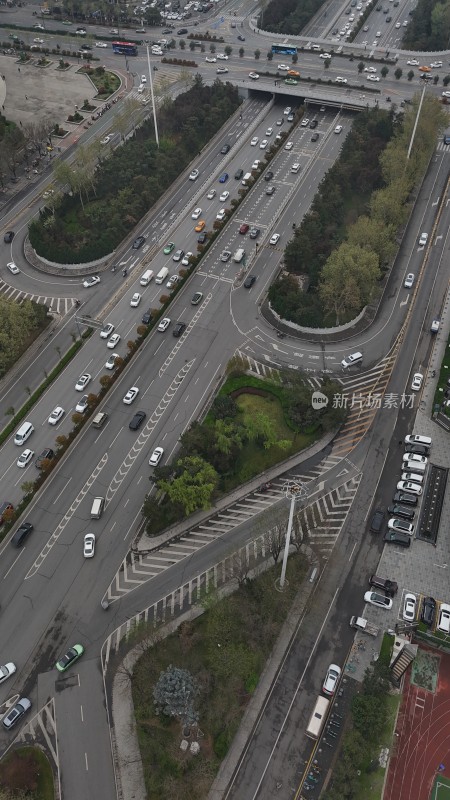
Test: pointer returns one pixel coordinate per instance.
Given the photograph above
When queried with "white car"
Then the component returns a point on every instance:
(372, 78)
(411, 457)
(269, 132)
(135, 300)
(25, 458)
(405, 23)
(56, 415)
(101, 44)
(113, 341)
(83, 381)
(409, 607)
(143, 79)
(106, 330)
(398, 25)
(338, 129)
(211, 194)
(283, 67)
(6, 671)
(186, 260)
(304, 123)
(222, 56)
(274, 239)
(82, 404)
(339, 79)
(409, 280)
(413, 62)
(253, 76)
(211, 59)
(370, 69)
(423, 239)
(409, 486)
(445, 94)
(325, 55)
(92, 281)
(225, 255)
(331, 679)
(89, 545)
(173, 280)
(436, 64)
(256, 164)
(417, 381)
(106, 139)
(111, 363)
(401, 525)
(156, 456)
(254, 141)
(221, 214)
(287, 111)
(196, 213)
(289, 145)
(378, 34)
(224, 197)
(221, 70)
(38, 41)
(379, 600)
(13, 268)
(194, 175)
(131, 395)
(164, 324)
(263, 144)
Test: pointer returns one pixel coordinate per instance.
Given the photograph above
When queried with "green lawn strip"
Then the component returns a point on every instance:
(225, 650)
(28, 768)
(371, 782)
(444, 375)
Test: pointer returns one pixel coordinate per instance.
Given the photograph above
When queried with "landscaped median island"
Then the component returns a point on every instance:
(252, 425)
(346, 243)
(110, 195)
(221, 655)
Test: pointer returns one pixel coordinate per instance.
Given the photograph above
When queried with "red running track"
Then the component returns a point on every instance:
(423, 740)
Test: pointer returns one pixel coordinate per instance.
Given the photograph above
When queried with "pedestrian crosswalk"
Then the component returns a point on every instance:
(58, 305)
(317, 526)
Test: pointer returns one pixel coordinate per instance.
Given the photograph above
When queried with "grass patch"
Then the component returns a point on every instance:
(444, 375)
(370, 784)
(225, 650)
(28, 768)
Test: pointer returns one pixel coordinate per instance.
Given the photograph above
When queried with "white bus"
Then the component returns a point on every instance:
(318, 717)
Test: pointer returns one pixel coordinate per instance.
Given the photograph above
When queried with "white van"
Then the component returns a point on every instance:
(98, 505)
(146, 277)
(416, 438)
(162, 275)
(246, 178)
(414, 466)
(444, 618)
(24, 433)
(354, 358)
(414, 477)
(239, 255)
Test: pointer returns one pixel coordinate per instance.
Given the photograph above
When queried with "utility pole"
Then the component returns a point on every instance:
(152, 95)
(293, 492)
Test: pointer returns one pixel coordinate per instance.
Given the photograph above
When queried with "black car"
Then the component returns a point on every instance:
(8, 237)
(400, 511)
(202, 238)
(314, 123)
(428, 611)
(46, 455)
(314, 137)
(418, 449)
(388, 19)
(21, 534)
(254, 233)
(179, 328)
(147, 317)
(249, 281)
(405, 498)
(268, 176)
(225, 149)
(396, 537)
(137, 420)
(239, 174)
(182, 31)
(138, 242)
(85, 47)
(241, 38)
(390, 587)
(376, 522)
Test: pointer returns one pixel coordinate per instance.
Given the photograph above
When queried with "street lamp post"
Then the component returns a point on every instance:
(293, 492)
(152, 94)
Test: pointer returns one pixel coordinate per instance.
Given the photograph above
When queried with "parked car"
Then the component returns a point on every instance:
(331, 679)
(401, 511)
(403, 525)
(396, 537)
(405, 498)
(409, 607)
(428, 611)
(390, 587)
(377, 520)
(379, 600)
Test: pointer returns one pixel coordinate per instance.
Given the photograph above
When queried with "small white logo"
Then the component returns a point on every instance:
(319, 400)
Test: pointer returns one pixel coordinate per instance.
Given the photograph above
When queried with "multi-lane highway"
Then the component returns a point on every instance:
(48, 584)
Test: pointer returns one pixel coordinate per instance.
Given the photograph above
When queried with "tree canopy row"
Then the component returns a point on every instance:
(109, 196)
(349, 237)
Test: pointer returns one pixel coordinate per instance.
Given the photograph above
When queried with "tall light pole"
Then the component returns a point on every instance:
(152, 95)
(293, 492)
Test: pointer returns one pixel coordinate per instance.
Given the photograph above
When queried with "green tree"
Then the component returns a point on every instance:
(269, 55)
(384, 70)
(260, 428)
(241, 52)
(228, 50)
(212, 48)
(360, 66)
(373, 235)
(445, 80)
(398, 73)
(193, 488)
(410, 75)
(182, 44)
(348, 280)
(257, 54)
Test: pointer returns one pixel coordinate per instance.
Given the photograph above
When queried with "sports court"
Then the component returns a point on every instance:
(419, 767)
